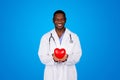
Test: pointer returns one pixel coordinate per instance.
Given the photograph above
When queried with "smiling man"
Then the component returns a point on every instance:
(60, 50)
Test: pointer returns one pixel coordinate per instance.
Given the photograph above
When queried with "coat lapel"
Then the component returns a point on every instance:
(56, 38)
(65, 39)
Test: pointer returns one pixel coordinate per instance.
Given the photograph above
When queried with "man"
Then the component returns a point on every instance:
(63, 39)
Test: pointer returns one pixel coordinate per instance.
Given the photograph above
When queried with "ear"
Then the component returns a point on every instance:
(65, 19)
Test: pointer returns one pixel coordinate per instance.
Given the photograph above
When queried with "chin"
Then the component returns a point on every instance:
(60, 27)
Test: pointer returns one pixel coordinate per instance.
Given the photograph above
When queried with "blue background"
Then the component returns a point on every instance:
(23, 22)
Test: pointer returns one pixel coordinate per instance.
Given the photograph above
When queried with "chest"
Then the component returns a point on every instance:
(67, 43)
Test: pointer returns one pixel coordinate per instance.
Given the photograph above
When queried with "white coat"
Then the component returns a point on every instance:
(65, 70)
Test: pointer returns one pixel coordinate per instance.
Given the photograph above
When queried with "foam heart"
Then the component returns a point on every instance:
(59, 53)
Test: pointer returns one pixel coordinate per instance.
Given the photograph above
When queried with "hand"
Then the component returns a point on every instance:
(64, 58)
(55, 58)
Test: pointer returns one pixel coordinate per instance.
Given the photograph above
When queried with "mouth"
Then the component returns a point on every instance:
(59, 25)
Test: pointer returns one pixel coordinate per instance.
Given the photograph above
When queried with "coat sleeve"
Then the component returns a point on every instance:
(76, 52)
(44, 51)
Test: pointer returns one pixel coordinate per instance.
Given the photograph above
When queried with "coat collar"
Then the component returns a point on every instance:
(65, 37)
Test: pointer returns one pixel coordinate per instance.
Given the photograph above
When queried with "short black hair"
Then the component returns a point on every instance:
(59, 11)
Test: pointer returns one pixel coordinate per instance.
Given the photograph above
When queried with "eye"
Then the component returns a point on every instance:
(56, 19)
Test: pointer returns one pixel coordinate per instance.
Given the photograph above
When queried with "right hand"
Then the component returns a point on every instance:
(55, 58)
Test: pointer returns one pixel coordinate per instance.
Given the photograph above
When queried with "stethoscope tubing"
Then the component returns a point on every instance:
(51, 36)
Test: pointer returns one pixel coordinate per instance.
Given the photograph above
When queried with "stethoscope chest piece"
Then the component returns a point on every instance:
(71, 41)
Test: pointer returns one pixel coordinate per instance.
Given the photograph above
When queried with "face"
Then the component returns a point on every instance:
(59, 21)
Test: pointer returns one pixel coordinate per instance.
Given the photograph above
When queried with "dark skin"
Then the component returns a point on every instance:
(59, 22)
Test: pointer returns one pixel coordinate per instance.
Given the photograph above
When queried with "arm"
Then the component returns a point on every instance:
(74, 57)
(44, 51)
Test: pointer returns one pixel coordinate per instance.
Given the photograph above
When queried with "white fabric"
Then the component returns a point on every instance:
(65, 70)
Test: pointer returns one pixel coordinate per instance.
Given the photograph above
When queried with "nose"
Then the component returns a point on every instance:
(60, 21)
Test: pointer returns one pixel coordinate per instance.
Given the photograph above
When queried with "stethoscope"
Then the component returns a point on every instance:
(51, 37)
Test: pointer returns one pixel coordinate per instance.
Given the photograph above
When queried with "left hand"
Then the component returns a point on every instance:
(64, 58)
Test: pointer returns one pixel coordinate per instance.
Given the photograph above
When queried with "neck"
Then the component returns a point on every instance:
(60, 31)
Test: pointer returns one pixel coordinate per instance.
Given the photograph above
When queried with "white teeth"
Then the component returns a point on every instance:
(59, 24)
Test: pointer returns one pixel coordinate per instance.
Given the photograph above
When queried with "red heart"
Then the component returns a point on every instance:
(59, 53)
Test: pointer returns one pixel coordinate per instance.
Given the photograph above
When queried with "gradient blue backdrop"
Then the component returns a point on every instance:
(23, 22)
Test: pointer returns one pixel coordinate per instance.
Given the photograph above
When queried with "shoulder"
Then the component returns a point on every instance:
(71, 33)
(73, 36)
(47, 35)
